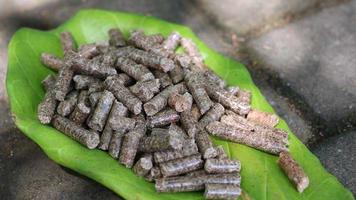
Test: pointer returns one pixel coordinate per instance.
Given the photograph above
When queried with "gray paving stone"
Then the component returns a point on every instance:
(315, 58)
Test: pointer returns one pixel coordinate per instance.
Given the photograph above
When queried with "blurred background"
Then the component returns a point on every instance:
(301, 54)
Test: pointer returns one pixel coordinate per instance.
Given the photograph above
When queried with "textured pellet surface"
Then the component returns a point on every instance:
(222, 191)
(181, 165)
(222, 166)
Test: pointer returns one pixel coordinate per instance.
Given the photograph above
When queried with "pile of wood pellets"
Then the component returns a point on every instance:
(153, 109)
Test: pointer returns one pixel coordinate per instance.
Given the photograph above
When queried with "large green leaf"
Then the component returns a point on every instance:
(261, 177)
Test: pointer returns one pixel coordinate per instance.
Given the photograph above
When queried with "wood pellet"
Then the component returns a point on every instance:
(153, 109)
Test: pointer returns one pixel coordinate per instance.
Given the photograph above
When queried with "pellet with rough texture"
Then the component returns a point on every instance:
(221, 154)
(180, 102)
(233, 179)
(211, 77)
(176, 74)
(172, 42)
(163, 118)
(82, 109)
(145, 90)
(52, 61)
(189, 123)
(263, 118)
(123, 94)
(183, 60)
(177, 130)
(199, 172)
(93, 67)
(226, 99)
(94, 98)
(48, 82)
(101, 112)
(219, 166)
(181, 165)
(125, 79)
(82, 82)
(136, 71)
(116, 38)
(294, 171)
(115, 143)
(153, 174)
(67, 106)
(196, 112)
(189, 148)
(234, 90)
(164, 78)
(244, 96)
(143, 165)
(146, 42)
(152, 60)
(63, 82)
(205, 145)
(213, 114)
(89, 139)
(68, 44)
(192, 50)
(161, 142)
(242, 136)
(47, 108)
(159, 102)
(88, 50)
(131, 143)
(196, 88)
(120, 123)
(222, 191)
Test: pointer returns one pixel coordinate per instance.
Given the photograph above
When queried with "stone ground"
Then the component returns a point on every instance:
(301, 54)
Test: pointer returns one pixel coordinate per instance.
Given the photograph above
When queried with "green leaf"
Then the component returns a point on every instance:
(261, 177)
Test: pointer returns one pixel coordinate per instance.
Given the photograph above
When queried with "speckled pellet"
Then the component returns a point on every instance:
(89, 139)
(93, 67)
(219, 166)
(159, 102)
(47, 108)
(101, 112)
(68, 44)
(183, 60)
(136, 71)
(143, 165)
(52, 61)
(123, 94)
(161, 142)
(172, 42)
(226, 99)
(48, 82)
(63, 82)
(163, 118)
(94, 98)
(244, 96)
(176, 74)
(145, 90)
(67, 106)
(196, 88)
(205, 145)
(189, 123)
(242, 136)
(116, 38)
(263, 118)
(211, 77)
(175, 129)
(234, 90)
(222, 191)
(189, 148)
(196, 112)
(153, 174)
(88, 50)
(181, 165)
(221, 154)
(82, 109)
(180, 102)
(213, 114)
(192, 50)
(294, 171)
(125, 80)
(164, 78)
(82, 82)
(152, 60)
(179, 184)
(115, 143)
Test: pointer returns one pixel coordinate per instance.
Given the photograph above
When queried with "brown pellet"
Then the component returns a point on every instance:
(294, 171)
(52, 61)
(67, 106)
(89, 139)
(145, 90)
(180, 102)
(101, 112)
(181, 165)
(48, 82)
(88, 51)
(83, 82)
(125, 80)
(219, 166)
(94, 67)
(172, 42)
(143, 165)
(198, 172)
(152, 60)
(63, 82)
(189, 123)
(153, 174)
(82, 109)
(242, 136)
(158, 102)
(212, 78)
(120, 123)
(94, 98)
(263, 118)
(189, 148)
(136, 71)
(47, 108)
(176, 74)
(164, 78)
(105, 138)
(161, 142)
(214, 114)
(183, 60)
(175, 129)
(68, 44)
(116, 38)
(234, 90)
(205, 145)
(196, 87)
(244, 96)
(220, 152)
(222, 191)
(115, 143)
(163, 118)
(192, 50)
(196, 112)
(123, 94)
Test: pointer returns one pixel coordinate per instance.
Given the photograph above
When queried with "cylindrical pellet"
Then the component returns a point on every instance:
(125, 80)
(94, 98)
(183, 60)
(82, 82)
(62, 85)
(153, 174)
(172, 42)
(163, 118)
(263, 118)
(181, 165)
(88, 50)
(82, 109)
(67, 106)
(136, 71)
(176, 74)
(152, 60)
(164, 78)
(214, 114)
(145, 90)
(47, 108)
(189, 148)
(244, 96)
(222, 191)
(158, 102)
(180, 102)
(143, 165)
(177, 130)
(196, 87)
(101, 112)
(219, 166)
(68, 45)
(123, 94)
(205, 145)
(115, 144)
(220, 152)
(294, 171)
(192, 50)
(94, 67)
(233, 90)
(211, 77)
(195, 112)
(48, 82)
(189, 123)
(52, 61)
(88, 138)
(161, 142)
(116, 38)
